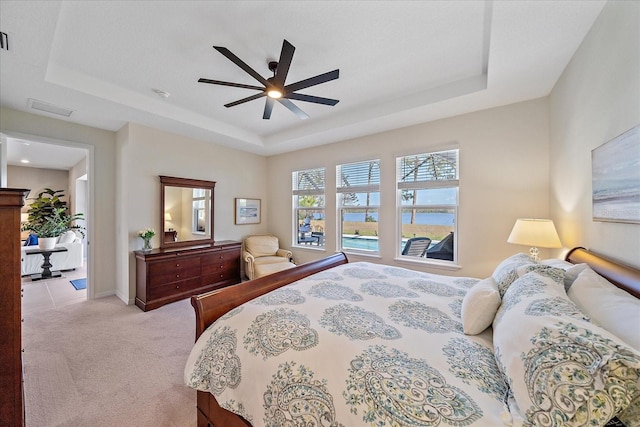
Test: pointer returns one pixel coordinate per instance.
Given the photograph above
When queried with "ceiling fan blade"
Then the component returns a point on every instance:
(309, 98)
(268, 107)
(243, 100)
(286, 56)
(312, 81)
(294, 109)
(218, 82)
(253, 73)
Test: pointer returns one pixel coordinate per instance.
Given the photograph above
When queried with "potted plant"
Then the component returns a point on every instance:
(48, 218)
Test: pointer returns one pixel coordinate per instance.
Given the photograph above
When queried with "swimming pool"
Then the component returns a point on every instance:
(367, 243)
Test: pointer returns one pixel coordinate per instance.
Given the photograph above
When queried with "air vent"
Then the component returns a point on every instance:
(48, 108)
(4, 41)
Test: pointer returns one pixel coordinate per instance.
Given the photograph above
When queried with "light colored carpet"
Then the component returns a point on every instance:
(102, 363)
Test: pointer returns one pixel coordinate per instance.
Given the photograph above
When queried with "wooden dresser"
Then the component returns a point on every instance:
(168, 275)
(11, 395)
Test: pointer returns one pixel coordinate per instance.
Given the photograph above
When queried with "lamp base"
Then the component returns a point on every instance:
(534, 254)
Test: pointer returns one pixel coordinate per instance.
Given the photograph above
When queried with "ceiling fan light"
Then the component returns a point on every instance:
(274, 93)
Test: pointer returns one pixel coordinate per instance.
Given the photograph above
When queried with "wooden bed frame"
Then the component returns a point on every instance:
(212, 305)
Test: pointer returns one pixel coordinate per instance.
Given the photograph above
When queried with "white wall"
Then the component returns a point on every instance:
(79, 190)
(503, 175)
(101, 144)
(144, 154)
(596, 99)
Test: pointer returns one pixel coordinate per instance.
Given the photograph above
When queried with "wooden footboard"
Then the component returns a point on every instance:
(211, 305)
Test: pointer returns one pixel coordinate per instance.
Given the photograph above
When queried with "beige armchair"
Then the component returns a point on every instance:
(262, 256)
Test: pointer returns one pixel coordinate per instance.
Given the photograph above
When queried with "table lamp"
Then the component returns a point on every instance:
(535, 233)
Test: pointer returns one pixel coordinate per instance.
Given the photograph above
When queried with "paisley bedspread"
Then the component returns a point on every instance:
(361, 344)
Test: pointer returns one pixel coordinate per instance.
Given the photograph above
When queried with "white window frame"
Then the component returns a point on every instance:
(427, 184)
(195, 201)
(296, 192)
(343, 188)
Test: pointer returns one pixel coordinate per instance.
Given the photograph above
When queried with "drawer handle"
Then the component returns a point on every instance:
(177, 276)
(177, 286)
(178, 264)
(222, 266)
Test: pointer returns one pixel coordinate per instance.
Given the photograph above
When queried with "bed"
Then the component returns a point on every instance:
(333, 343)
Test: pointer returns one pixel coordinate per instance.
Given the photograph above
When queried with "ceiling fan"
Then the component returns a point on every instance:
(274, 88)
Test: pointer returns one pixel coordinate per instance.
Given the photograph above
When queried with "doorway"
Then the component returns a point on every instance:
(36, 164)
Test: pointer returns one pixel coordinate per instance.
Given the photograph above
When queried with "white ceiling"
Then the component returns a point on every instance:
(401, 62)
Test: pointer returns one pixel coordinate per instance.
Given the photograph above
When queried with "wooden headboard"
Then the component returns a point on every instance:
(623, 276)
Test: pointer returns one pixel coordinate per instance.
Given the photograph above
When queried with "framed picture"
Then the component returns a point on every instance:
(247, 211)
(616, 179)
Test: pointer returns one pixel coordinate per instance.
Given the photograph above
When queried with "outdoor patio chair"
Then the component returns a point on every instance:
(416, 246)
(443, 249)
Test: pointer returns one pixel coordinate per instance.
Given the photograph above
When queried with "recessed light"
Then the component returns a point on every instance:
(24, 161)
(161, 93)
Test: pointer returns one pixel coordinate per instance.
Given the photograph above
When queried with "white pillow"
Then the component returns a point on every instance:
(67, 237)
(479, 306)
(607, 305)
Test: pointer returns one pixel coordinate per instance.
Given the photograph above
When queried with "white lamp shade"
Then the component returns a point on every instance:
(535, 232)
(167, 216)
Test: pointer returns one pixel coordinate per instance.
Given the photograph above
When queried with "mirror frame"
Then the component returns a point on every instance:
(170, 181)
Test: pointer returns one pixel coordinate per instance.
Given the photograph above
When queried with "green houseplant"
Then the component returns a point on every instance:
(48, 216)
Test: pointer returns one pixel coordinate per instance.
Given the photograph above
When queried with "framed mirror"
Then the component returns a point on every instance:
(186, 206)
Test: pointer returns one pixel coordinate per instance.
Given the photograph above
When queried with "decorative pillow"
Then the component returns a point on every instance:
(479, 306)
(505, 272)
(67, 237)
(607, 305)
(572, 270)
(558, 263)
(562, 369)
(518, 265)
(32, 240)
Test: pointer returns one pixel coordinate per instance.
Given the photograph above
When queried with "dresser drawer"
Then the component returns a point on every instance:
(161, 273)
(220, 267)
(224, 260)
(220, 276)
(174, 288)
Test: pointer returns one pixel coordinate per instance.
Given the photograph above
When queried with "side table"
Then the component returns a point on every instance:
(46, 266)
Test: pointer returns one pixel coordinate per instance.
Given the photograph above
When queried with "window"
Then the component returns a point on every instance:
(428, 204)
(358, 188)
(308, 206)
(199, 220)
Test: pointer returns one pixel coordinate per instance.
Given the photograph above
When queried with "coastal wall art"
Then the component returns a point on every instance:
(616, 178)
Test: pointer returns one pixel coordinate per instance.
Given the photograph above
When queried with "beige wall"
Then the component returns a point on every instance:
(503, 175)
(596, 99)
(37, 179)
(101, 146)
(144, 154)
